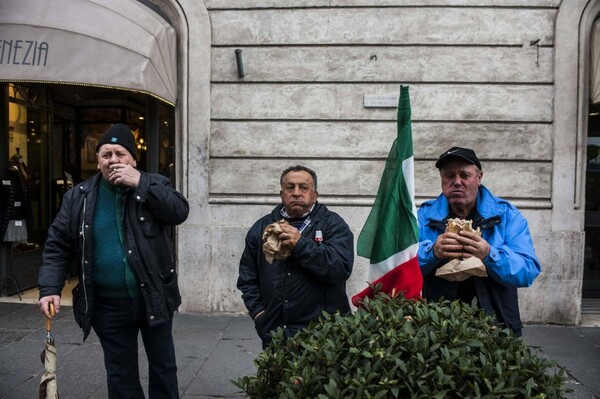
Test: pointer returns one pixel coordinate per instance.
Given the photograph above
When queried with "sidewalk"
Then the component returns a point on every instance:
(213, 349)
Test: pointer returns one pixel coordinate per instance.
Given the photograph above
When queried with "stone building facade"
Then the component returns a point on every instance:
(508, 78)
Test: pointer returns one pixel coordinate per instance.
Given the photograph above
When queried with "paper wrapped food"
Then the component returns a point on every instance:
(461, 269)
(272, 247)
(455, 225)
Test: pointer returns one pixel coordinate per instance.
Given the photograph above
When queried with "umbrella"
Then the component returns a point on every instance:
(48, 387)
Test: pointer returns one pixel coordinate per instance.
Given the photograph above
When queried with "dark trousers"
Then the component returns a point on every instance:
(117, 322)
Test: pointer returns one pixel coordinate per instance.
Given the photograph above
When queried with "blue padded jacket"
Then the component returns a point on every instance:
(511, 262)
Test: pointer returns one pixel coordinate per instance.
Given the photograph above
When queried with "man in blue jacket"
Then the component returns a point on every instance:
(115, 226)
(504, 246)
(291, 292)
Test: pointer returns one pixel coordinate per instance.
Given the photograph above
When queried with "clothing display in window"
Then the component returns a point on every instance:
(15, 200)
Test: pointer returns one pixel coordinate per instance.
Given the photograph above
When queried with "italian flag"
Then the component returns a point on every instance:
(390, 236)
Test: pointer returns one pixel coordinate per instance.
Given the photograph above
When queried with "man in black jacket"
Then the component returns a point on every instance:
(115, 226)
(291, 292)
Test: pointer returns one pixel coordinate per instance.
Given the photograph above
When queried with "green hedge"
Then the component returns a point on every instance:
(398, 348)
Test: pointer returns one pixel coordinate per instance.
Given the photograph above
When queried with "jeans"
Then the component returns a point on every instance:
(117, 322)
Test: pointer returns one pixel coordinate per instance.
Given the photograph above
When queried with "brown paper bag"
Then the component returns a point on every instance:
(461, 269)
(272, 244)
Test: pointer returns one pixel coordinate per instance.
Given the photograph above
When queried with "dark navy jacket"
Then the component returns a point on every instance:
(149, 211)
(296, 290)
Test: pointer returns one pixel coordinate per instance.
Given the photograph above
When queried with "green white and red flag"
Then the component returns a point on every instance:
(390, 236)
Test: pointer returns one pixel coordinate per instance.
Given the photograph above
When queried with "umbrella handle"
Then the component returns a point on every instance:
(52, 312)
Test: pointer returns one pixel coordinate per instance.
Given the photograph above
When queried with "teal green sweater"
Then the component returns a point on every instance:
(113, 276)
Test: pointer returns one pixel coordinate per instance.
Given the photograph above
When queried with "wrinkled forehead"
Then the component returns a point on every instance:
(299, 176)
(112, 148)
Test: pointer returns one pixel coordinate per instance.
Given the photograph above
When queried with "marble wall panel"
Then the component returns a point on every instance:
(438, 102)
(393, 25)
(361, 178)
(360, 139)
(553, 301)
(522, 64)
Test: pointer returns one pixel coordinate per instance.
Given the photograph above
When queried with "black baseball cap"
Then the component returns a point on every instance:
(458, 152)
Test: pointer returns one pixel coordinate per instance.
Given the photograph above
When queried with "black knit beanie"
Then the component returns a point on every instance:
(120, 134)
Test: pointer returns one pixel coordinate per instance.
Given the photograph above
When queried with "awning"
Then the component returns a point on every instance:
(120, 44)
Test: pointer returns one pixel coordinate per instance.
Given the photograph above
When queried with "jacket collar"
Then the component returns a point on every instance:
(91, 184)
(486, 205)
(314, 213)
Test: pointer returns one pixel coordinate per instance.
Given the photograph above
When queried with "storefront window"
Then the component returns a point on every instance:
(64, 155)
(591, 274)
(24, 211)
(53, 131)
(38, 130)
(27, 167)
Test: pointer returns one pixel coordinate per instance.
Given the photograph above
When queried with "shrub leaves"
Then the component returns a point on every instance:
(399, 348)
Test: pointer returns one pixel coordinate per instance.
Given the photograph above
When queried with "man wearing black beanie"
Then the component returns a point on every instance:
(119, 134)
(116, 225)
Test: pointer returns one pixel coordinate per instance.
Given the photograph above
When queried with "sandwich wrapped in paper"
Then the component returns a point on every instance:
(461, 269)
(272, 243)
(456, 225)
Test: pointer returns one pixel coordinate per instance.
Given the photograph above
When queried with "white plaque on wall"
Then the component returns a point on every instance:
(380, 100)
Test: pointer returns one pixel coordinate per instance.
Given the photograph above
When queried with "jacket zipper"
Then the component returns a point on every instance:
(83, 284)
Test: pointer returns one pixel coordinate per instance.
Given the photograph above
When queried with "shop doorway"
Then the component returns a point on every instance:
(591, 274)
(48, 145)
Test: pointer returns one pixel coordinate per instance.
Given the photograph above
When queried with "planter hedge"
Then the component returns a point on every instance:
(398, 348)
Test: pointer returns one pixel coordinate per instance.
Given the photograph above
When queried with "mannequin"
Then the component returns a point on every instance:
(15, 210)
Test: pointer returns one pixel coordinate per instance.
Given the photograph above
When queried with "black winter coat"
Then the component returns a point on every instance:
(296, 290)
(149, 211)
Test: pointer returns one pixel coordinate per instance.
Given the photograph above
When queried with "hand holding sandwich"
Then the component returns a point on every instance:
(460, 241)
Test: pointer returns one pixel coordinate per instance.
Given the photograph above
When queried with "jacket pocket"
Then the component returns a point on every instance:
(262, 326)
(171, 289)
(149, 226)
(266, 323)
